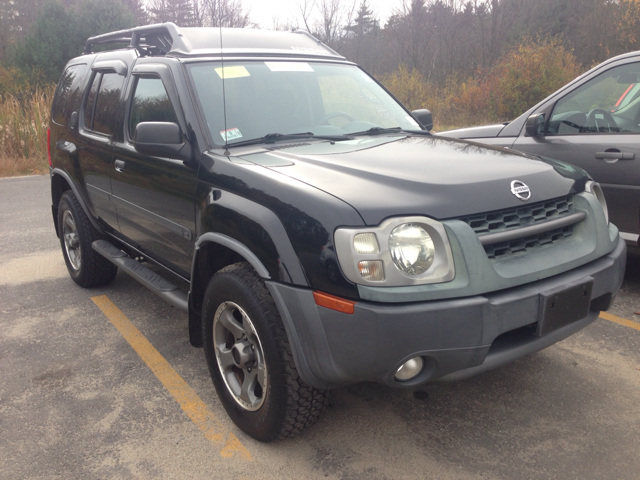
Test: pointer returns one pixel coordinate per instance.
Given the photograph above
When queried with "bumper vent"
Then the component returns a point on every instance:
(540, 224)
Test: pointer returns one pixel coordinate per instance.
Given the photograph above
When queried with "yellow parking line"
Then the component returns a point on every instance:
(620, 320)
(188, 399)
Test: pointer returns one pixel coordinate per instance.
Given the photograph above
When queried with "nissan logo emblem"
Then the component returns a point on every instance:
(520, 190)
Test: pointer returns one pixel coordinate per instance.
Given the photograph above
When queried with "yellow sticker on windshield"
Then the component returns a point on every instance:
(235, 71)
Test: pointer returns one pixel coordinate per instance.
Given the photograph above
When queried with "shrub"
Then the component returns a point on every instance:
(520, 79)
(527, 75)
(23, 132)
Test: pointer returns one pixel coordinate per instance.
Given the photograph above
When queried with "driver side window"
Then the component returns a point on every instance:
(150, 103)
(609, 103)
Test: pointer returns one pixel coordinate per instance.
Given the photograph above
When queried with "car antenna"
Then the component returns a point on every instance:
(224, 95)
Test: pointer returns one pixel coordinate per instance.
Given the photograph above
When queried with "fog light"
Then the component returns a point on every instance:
(409, 369)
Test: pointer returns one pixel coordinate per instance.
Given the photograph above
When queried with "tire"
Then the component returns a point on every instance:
(86, 267)
(245, 345)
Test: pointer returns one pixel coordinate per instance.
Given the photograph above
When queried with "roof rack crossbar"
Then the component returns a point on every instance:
(132, 36)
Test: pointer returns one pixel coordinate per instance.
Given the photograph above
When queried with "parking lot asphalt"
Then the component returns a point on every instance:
(103, 383)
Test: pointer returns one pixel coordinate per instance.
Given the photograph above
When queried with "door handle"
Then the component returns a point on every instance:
(119, 164)
(614, 154)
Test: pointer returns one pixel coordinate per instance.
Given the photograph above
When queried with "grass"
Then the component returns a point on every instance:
(23, 133)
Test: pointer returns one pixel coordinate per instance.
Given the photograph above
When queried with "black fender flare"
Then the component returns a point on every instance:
(76, 192)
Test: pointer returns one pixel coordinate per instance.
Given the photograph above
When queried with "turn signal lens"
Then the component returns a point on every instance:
(366, 243)
(334, 303)
(371, 270)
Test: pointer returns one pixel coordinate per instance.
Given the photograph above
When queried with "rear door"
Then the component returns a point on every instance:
(586, 128)
(154, 196)
(97, 121)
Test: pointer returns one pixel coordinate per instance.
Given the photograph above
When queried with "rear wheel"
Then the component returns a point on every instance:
(86, 267)
(250, 359)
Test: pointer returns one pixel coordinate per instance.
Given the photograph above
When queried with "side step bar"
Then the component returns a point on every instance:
(147, 277)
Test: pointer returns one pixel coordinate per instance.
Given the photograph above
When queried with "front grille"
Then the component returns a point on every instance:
(519, 217)
(512, 218)
(525, 244)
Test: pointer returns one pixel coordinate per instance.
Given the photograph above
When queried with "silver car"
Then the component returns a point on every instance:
(594, 123)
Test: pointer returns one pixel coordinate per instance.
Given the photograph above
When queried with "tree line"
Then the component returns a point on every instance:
(426, 48)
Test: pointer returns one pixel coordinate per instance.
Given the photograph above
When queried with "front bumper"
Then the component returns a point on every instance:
(457, 338)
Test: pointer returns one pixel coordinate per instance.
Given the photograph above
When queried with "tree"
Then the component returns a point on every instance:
(364, 22)
(136, 7)
(60, 33)
(222, 13)
(180, 12)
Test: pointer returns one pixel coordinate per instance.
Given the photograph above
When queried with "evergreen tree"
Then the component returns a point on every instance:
(364, 23)
(180, 12)
(60, 33)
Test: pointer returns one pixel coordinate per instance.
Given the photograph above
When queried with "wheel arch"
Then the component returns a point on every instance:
(213, 252)
(60, 183)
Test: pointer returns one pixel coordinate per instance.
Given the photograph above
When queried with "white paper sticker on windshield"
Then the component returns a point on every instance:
(289, 66)
(230, 134)
(411, 120)
(234, 71)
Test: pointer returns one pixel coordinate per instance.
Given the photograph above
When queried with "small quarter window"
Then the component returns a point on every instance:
(150, 103)
(69, 93)
(104, 119)
(91, 102)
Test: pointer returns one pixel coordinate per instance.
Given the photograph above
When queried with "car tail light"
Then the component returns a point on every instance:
(49, 146)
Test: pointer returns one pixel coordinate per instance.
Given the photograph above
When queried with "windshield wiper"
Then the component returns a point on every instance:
(381, 130)
(278, 137)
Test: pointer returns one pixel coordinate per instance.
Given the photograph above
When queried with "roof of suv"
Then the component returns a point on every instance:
(169, 39)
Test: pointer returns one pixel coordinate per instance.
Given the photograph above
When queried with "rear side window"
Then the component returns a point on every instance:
(69, 93)
(150, 104)
(102, 102)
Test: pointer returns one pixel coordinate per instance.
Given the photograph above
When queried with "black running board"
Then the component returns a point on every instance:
(147, 277)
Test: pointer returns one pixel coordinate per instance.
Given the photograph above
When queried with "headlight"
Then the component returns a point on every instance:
(595, 189)
(411, 249)
(398, 252)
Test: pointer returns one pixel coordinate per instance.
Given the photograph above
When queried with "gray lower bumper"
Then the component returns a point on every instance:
(457, 338)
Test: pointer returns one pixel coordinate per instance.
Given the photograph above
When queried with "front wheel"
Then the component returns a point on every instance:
(250, 361)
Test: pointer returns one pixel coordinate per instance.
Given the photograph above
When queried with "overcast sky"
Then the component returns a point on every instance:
(264, 11)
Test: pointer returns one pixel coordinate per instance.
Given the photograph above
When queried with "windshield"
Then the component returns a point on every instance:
(291, 97)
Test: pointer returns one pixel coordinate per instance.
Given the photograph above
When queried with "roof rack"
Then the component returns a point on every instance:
(160, 38)
(169, 39)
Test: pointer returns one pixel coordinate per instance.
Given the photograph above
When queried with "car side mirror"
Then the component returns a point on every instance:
(160, 139)
(424, 118)
(535, 125)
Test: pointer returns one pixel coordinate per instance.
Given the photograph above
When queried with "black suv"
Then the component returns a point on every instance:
(323, 235)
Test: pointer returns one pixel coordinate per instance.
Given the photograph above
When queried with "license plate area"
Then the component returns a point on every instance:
(564, 305)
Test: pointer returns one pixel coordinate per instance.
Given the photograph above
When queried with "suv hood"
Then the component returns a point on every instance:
(437, 177)
(484, 131)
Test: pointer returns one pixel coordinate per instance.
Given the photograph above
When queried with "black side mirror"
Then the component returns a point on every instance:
(160, 139)
(535, 125)
(424, 118)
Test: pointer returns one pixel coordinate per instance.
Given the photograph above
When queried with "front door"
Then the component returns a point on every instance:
(154, 197)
